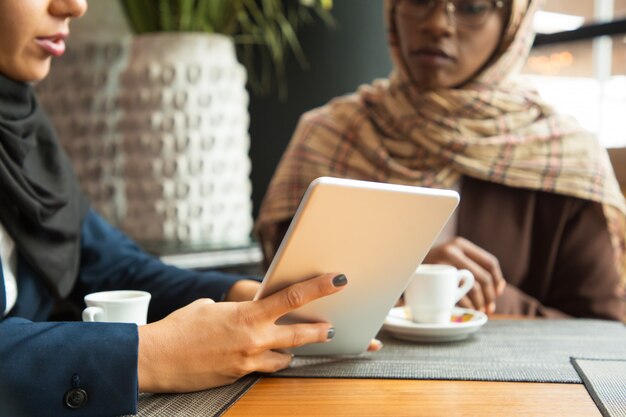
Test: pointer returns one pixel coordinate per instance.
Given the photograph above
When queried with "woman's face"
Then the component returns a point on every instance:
(32, 32)
(437, 49)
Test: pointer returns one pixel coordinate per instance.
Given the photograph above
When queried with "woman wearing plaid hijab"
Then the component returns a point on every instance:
(541, 222)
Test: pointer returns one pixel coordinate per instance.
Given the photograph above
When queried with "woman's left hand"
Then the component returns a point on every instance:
(463, 254)
(246, 289)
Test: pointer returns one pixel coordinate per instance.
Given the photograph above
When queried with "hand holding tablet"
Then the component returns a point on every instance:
(374, 233)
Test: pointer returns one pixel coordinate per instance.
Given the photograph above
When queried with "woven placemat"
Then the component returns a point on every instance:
(605, 381)
(503, 350)
(212, 402)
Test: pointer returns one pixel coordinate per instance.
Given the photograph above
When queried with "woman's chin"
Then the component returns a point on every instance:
(432, 81)
(38, 74)
(28, 73)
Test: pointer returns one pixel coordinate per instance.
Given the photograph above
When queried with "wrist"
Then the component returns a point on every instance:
(146, 362)
(243, 290)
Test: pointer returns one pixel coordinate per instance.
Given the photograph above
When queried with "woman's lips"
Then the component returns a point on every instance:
(431, 56)
(54, 45)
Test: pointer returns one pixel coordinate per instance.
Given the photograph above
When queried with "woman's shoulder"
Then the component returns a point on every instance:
(552, 205)
(337, 109)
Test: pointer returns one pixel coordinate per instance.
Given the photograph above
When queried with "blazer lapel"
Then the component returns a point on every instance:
(3, 297)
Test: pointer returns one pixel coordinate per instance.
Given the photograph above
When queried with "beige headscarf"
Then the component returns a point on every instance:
(493, 128)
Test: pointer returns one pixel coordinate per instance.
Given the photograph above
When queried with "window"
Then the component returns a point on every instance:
(578, 63)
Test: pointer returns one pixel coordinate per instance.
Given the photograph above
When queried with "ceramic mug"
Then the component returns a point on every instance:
(434, 290)
(124, 306)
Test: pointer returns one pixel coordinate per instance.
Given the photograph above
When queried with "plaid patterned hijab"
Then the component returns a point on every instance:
(493, 128)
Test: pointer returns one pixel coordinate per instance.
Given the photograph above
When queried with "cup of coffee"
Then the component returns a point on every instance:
(434, 290)
(122, 306)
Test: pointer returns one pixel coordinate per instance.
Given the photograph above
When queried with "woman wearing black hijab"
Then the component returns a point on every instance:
(53, 247)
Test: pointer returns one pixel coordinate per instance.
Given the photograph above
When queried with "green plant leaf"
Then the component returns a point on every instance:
(264, 30)
(142, 15)
(186, 15)
(165, 15)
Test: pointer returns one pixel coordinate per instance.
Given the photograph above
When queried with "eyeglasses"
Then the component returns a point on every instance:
(472, 13)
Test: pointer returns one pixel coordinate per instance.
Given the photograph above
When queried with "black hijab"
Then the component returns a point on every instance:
(41, 205)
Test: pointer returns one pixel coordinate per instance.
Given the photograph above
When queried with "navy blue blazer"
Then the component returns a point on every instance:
(44, 366)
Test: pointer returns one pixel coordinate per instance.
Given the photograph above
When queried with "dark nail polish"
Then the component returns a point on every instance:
(340, 280)
(331, 333)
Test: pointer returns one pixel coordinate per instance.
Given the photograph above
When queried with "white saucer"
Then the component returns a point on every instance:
(462, 323)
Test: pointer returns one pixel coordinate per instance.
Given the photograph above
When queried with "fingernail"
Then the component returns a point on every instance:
(331, 333)
(378, 344)
(492, 307)
(340, 280)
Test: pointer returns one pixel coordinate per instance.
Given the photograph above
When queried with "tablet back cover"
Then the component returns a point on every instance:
(376, 234)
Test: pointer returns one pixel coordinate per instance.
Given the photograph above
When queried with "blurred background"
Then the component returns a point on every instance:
(578, 63)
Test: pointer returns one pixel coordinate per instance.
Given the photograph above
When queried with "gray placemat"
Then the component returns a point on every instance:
(212, 402)
(605, 381)
(503, 350)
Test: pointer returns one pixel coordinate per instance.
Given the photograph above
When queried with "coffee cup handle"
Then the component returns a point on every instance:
(93, 313)
(468, 282)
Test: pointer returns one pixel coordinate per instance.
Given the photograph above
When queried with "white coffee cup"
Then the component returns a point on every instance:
(124, 306)
(434, 290)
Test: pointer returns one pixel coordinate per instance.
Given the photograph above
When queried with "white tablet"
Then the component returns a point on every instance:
(376, 234)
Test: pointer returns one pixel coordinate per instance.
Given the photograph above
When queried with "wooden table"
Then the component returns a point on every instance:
(389, 397)
(384, 397)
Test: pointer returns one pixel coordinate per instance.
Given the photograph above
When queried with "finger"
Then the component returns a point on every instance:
(501, 286)
(476, 296)
(466, 303)
(483, 278)
(297, 295)
(294, 335)
(484, 283)
(460, 259)
(270, 361)
(375, 345)
(486, 260)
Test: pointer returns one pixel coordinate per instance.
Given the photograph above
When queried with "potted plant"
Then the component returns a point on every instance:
(264, 31)
(157, 123)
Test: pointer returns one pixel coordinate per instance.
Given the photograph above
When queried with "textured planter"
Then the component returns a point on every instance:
(157, 128)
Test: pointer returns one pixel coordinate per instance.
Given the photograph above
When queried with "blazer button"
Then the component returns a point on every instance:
(75, 398)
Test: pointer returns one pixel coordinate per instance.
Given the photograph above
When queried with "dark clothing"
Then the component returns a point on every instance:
(64, 252)
(40, 362)
(554, 251)
(41, 205)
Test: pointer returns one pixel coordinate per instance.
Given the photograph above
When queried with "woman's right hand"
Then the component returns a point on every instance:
(488, 279)
(208, 344)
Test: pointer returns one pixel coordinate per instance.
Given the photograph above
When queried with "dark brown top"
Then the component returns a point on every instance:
(554, 251)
